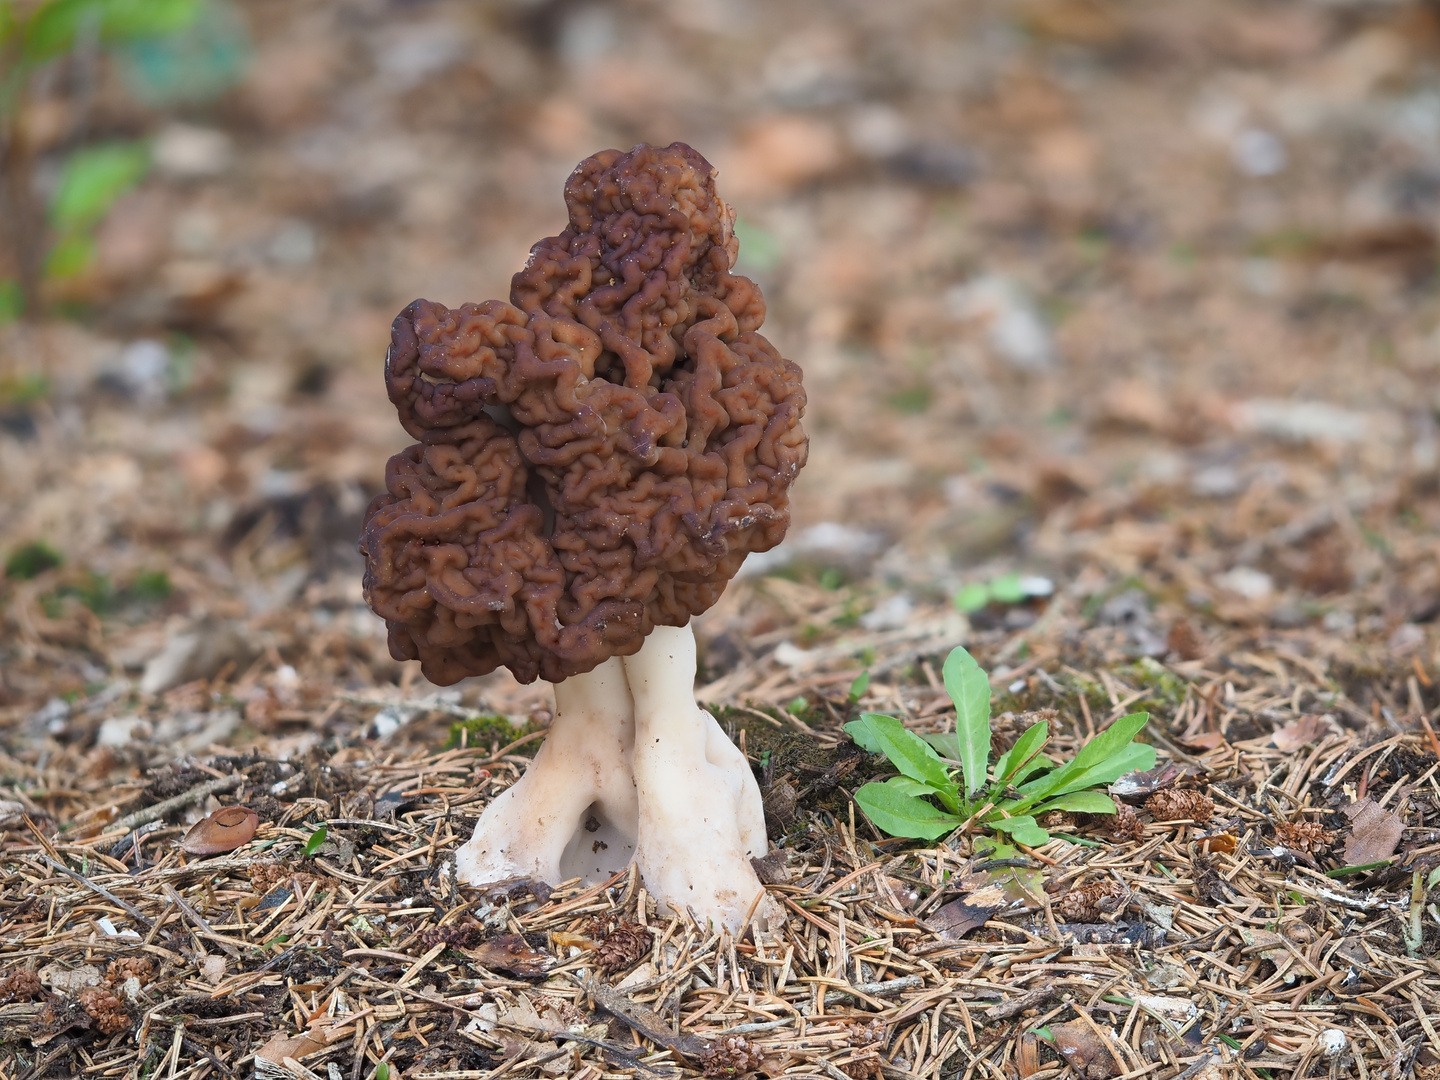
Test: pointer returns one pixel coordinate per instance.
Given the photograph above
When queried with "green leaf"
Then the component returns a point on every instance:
(1099, 750)
(863, 732)
(127, 19)
(12, 297)
(1022, 830)
(51, 30)
(92, 179)
(1080, 802)
(859, 686)
(895, 809)
(9, 24)
(382, 1071)
(316, 841)
(905, 786)
(991, 848)
(969, 689)
(945, 744)
(1137, 757)
(911, 755)
(1346, 871)
(54, 27)
(1039, 763)
(972, 597)
(1008, 589)
(70, 256)
(1025, 750)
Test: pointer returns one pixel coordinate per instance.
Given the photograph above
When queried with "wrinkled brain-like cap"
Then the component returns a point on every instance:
(596, 457)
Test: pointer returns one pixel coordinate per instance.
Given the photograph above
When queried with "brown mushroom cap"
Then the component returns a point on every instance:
(596, 457)
(221, 832)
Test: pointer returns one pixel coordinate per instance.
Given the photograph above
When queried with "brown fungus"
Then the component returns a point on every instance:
(597, 456)
(221, 832)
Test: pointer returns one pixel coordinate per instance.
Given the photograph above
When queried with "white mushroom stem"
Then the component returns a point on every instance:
(633, 768)
(701, 818)
(575, 807)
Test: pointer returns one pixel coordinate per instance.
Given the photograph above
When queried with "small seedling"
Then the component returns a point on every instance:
(165, 51)
(316, 841)
(1006, 589)
(859, 686)
(928, 799)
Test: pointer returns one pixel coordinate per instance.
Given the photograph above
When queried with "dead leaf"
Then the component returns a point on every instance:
(1138, 785)
(525, 1016)
(1083, 1050)
(212, 968)
(771, 868)
(1205, 740)
(954, 920)
(513, 955)
(509, 890)
(1209, 885)
(1268, 945)
(281, 1047)
(1301, 732)
(1374, 833)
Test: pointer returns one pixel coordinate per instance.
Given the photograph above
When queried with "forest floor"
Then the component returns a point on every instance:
(1121, 333)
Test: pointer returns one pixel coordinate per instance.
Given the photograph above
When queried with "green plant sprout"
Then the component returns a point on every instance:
(166, 51)
(928, 800)
(1006, 589)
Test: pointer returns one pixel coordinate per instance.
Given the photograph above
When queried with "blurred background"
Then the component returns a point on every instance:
(1119, 322)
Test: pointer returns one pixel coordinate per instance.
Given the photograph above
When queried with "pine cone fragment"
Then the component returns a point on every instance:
(623, 947)
(127, 967)
(1176, 804)
(464, 935)
(21, 986)
(105, 1009)
(264, 876)
(1127, 824)
(1087, 903)
(868, 1039)
(1306, 836)
(731, 1055)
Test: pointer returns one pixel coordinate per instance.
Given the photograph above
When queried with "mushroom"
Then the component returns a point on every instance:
(595, 459)
(222, 831)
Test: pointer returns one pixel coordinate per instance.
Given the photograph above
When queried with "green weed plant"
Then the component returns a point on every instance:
(947, 781)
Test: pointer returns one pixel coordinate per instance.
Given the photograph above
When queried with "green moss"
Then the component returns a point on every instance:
(1168, 688)
(492, 730)
(912, 400)
(21, 389)
(150, 587)
(31, 560)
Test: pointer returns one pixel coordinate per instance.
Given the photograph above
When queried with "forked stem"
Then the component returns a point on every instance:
(632, 767)
(574, 812)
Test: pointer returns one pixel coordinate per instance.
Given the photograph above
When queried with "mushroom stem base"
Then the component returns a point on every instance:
(632, 768)
(574, 812)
